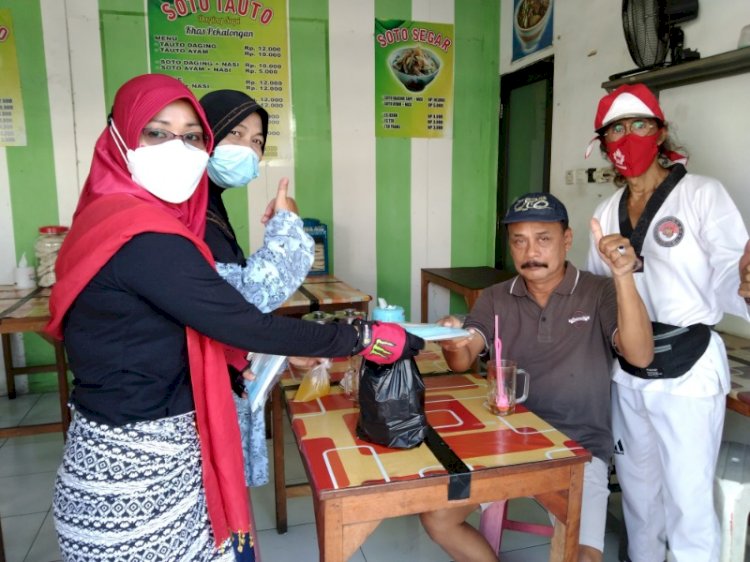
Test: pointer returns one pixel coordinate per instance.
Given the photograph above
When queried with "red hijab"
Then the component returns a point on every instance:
(136, 103)
(112, 209)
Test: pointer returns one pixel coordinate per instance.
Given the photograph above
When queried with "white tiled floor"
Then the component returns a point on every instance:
(27, 475)
(27, 472)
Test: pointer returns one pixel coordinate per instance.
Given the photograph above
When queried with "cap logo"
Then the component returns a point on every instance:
(531, 203)
(538, 206)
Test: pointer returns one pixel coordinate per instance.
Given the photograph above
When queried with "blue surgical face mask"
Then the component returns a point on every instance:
(232, 165)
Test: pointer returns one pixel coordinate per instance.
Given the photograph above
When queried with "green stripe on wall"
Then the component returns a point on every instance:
(122, 28)
(393, 198)
(475, 136)
(311, 101)
(31, 170)
(33, 192)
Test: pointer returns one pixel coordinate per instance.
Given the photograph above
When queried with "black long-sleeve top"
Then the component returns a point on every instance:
(125, 332)
(220, 236)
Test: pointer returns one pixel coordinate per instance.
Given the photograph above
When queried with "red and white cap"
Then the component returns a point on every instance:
(629, 100)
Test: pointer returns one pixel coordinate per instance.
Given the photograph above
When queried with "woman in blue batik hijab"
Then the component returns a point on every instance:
(269, 276)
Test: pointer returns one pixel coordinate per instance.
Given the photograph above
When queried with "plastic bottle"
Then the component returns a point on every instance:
(46, 248)
(24, 276)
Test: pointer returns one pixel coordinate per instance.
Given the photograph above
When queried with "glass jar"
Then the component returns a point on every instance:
(46, 248)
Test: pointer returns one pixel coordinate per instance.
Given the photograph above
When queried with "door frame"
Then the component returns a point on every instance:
(542, 69)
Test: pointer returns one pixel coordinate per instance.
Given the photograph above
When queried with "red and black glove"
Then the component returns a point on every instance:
(385, 343)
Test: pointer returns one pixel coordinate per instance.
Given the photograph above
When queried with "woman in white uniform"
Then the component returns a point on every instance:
(667, 419)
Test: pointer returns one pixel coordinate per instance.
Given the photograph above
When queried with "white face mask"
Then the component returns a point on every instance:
(171, 170)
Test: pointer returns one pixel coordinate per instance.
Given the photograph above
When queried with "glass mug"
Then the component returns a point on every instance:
(350, 381)
(501, 391)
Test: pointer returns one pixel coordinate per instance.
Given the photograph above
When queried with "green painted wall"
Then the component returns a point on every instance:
(393, 198)
(123, 37)
(31, 169)
(475, 135)
(311, 105)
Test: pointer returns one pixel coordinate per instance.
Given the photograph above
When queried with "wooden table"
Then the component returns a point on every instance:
(356, 484)
(27, 310)
(318, 292)
(326, 293)
(466, 281)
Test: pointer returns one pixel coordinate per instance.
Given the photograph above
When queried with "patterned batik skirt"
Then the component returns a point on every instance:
(134, 493)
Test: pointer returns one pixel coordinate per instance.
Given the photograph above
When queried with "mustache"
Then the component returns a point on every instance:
(528, 264)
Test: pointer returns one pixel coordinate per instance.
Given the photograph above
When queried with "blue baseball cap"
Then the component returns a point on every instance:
(536, 207)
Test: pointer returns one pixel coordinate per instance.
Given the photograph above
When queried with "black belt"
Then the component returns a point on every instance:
(676, 350)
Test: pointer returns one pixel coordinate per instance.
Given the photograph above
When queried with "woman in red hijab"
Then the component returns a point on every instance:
(152, 468)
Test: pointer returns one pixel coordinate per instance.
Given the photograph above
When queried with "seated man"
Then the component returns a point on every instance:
(561, 325)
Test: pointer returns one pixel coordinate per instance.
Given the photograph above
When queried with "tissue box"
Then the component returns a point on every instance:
(319, 233)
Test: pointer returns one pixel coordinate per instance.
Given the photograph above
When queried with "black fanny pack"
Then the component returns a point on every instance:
(676, 350)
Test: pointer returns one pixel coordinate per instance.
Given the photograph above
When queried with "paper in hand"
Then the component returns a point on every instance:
(435, 332)
(267, 370)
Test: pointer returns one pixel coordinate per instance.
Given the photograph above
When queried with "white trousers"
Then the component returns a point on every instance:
(666, 449)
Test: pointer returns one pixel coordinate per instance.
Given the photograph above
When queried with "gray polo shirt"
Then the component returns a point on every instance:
(567, 349)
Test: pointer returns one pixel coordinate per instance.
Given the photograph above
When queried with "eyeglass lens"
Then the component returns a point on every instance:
(153, 136)
(638, 127)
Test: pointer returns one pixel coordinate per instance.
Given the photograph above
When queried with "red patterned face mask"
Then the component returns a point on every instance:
(632, 155)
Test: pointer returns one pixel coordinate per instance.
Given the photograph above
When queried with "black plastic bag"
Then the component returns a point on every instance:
(391, 404)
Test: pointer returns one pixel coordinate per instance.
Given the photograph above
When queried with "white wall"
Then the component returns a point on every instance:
(711, 120)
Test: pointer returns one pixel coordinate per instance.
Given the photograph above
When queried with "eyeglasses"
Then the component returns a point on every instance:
(153, 136)
(640, 127)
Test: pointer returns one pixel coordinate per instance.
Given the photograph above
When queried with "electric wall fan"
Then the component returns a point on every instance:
(651, 32)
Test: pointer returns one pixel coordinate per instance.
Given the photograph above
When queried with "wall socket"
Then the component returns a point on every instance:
(573, 177)
(588, 175)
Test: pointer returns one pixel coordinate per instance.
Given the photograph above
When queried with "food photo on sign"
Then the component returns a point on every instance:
(532, 26)
(413, 78)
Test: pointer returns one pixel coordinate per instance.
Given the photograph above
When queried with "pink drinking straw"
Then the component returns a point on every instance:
(501, 399)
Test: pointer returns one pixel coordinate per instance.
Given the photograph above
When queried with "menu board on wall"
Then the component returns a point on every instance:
(12, 124)
(228, 44)
(413, 79)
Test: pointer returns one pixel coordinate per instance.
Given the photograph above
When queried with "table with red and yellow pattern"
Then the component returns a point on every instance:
(430, 361)
(356, 484)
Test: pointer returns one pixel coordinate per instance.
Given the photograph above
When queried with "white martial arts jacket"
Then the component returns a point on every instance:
(691, 255)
